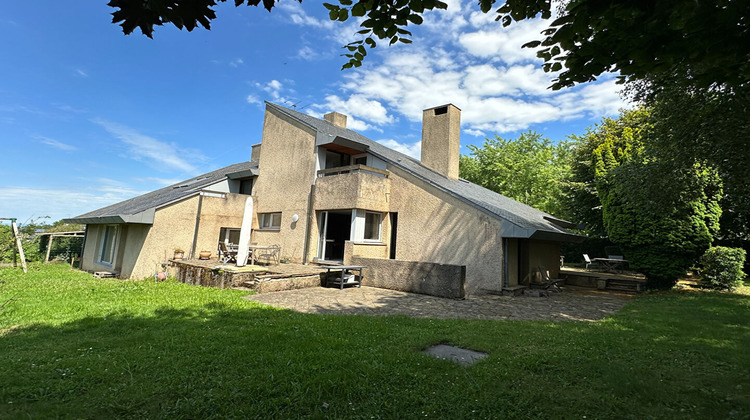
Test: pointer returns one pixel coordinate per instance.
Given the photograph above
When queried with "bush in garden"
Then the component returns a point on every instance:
(722, 267)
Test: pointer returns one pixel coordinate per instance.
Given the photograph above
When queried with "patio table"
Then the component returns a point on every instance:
(610, 265)
(342, 280)
(252, 251)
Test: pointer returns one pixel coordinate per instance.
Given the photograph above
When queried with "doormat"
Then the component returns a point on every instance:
(463, 357)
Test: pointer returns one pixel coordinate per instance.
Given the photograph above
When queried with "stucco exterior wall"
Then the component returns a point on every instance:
(365, 250)
(413, 276)
(435, 227)
(217, 213)
(173, 228)
(359, 190)
(287, 171)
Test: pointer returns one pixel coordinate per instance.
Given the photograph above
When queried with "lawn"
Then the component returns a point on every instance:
(76, 347)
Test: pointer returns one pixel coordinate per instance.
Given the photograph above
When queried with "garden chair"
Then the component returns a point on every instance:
(271, 254)
(588, 261)
(225, 255)
(546, 282)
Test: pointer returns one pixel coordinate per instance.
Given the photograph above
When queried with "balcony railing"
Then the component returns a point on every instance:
(352, 169)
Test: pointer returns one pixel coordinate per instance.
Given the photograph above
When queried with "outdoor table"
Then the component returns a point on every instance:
(610, 265)
(342, 280)
(253, 248)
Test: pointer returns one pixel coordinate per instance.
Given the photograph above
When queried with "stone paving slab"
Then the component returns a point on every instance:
(573, 304)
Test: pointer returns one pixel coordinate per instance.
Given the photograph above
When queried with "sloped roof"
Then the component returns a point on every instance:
(523, 221)
(141, 209)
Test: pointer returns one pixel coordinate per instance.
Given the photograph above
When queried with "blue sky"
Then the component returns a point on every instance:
(90, 117)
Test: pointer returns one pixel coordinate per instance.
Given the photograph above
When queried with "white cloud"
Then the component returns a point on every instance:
(236, 62)
(148, 149)
(81, 73)
(410, 149)
(56, 144)
(24, 202)
(307, 53)
(252, 99)
(356, 106)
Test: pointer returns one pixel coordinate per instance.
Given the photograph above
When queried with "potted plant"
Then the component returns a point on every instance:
(179, 253)
(204, 255)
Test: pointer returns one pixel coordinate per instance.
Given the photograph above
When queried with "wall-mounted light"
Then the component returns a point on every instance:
(295, 218)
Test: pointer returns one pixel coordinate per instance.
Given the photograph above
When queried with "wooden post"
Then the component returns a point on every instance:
(49, 248)
(19, 244)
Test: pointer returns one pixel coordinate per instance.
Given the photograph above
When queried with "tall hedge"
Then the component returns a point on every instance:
(662, 219)
(722, 267)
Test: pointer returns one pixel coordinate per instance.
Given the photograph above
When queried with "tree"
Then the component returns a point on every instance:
(710, 39)
(662, 217)
(530, 169)
(624, 137)
(710, 126)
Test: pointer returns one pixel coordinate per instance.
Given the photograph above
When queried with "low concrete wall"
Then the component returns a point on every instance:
(442, 280)
(291, 283)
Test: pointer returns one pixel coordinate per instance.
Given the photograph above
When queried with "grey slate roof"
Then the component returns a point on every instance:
(523, 221)
(141, 209)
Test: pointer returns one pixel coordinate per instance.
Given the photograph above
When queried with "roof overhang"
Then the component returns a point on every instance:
(145, 217)
(335, 143)
(247, 173)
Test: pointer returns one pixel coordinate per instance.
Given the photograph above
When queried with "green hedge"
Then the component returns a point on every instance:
(722, 267)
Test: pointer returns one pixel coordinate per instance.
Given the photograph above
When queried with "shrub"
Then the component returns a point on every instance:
(722, 267)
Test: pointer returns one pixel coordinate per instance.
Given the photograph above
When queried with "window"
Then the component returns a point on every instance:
(107, 251)
(361, 160)
(270, 221)
(246, 186)
(336, 159)
(372, 226)
(230, 236)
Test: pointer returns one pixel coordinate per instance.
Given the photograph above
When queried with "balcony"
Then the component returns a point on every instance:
(353, 187)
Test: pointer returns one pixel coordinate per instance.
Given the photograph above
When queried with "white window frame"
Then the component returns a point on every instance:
(267, 221)
(379, 229)
(113, 245)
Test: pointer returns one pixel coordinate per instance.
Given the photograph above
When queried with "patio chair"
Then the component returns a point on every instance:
(270, 254)
(588, 261)
(225, 255)
(546, 282)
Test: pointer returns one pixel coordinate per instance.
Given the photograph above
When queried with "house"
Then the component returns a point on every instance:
(326, 193)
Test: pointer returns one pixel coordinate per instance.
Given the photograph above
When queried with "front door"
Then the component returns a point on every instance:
(335, 229)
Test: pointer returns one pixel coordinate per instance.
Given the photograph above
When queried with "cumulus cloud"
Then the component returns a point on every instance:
(410, 149)
(145, 148)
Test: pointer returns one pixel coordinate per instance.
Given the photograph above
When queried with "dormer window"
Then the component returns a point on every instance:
(336, 159)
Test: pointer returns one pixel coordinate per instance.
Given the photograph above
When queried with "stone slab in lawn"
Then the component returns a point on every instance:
(464, 357)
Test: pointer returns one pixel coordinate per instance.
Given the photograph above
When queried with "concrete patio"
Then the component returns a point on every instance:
(573, 304)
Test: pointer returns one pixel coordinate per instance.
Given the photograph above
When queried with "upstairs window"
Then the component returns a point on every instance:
(270, 221)
(246, 186)
(336, 159)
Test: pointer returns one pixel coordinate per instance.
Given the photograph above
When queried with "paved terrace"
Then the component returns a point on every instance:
(573, 304)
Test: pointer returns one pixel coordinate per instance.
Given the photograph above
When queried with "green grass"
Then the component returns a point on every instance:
(76, 347)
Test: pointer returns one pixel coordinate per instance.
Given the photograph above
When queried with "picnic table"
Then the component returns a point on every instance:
(347, 276)
(610, 265)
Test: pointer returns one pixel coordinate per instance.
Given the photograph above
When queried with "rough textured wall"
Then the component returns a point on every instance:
(373, 250)
(359, 190)
(436, 227)
(217, 213)
(173, 228)
(287, 171)
(413, 276)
